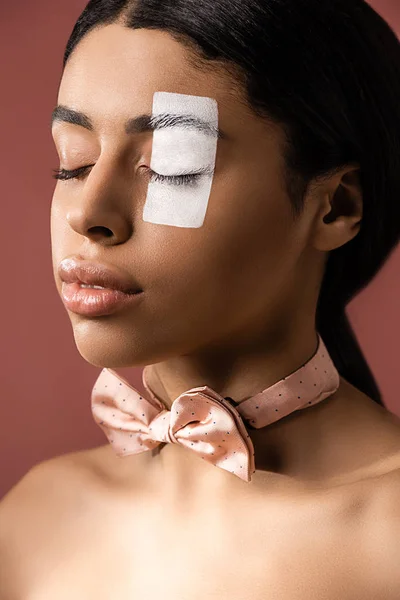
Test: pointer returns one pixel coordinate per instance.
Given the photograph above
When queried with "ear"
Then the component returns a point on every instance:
(341, 208)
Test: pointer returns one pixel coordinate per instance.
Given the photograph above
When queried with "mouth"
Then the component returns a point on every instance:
(96, 289)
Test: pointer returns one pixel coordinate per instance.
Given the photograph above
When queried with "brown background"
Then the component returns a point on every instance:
(45, 383)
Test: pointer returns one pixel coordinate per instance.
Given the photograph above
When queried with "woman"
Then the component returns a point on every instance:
(233, 169)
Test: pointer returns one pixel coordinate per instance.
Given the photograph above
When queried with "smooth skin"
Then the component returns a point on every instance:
(231, 305)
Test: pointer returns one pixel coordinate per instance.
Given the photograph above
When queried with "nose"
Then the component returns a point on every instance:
(104, 227)
(101, 211)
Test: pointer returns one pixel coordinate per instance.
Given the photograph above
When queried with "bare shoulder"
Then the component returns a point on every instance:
(70, 482)
(42, 475)
(381, 535)
(374, 507)
(60, 487)
(39, 506)
(383, 486)
(53, 482)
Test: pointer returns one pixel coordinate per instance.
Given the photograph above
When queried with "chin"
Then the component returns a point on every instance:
(102, 348)
(108, 342)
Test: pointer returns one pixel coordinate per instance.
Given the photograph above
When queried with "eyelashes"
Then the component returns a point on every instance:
(64, 174)
(188, 179)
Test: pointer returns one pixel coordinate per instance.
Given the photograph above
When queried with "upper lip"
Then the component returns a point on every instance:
(72, 270)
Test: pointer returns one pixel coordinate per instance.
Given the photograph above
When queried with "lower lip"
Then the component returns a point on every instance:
(91, 302)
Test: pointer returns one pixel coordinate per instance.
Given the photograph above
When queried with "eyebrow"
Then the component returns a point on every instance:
(140, 124)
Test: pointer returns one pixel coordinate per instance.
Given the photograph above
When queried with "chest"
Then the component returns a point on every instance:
(284, 555)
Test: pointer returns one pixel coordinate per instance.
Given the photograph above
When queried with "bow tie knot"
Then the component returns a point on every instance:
(199, 419)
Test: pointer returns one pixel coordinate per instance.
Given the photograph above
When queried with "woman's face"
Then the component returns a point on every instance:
(220, 261)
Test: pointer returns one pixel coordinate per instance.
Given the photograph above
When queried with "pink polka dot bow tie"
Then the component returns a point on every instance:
(202, 420)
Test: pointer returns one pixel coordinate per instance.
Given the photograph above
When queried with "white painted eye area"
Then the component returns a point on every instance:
(183, 159)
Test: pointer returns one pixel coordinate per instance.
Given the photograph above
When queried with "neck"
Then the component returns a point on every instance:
(282, 449)
(237, 374)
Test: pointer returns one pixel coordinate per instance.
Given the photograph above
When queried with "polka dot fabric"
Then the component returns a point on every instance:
(316, 380)
(202, 420)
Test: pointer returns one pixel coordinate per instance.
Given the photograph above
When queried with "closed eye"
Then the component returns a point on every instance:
(65, 174)
(185, 179)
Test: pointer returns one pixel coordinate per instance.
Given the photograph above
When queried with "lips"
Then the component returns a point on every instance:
(90, 273)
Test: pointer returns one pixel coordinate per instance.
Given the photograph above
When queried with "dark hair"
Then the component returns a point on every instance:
(329, 73)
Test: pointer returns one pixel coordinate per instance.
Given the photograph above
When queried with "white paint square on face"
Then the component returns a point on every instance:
(180, 150)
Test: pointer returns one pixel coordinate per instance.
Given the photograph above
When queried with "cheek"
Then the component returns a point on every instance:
(231, 272)
(254, 253)
(60, 230)
(177, 152)
(253, 228)
(234, 257)
(248, 238)
(55, 223)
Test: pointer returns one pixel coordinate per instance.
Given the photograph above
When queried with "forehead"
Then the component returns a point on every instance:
(114, 72)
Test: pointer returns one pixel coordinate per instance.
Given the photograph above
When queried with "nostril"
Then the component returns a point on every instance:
(101, 230)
